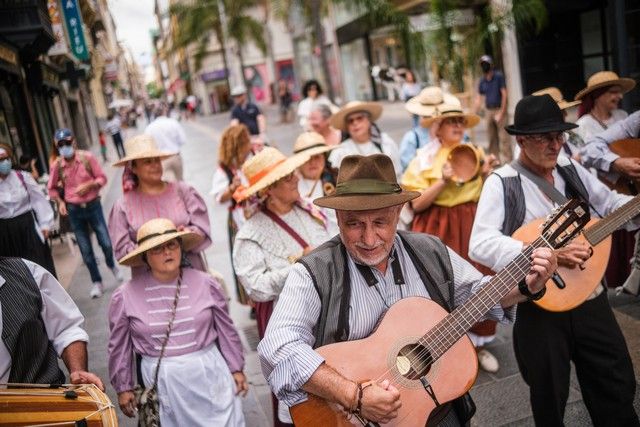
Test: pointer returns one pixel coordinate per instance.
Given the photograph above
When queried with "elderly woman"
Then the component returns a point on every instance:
(235, 148)
(447, 206)
(320, 121)
(600, 101)
(25, 215)
(358, 120)
(176, 319)
(151, 198)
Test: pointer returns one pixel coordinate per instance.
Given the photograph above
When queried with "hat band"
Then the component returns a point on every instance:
(152, 235)
(366, 186)
(319, 144)
(257, 177)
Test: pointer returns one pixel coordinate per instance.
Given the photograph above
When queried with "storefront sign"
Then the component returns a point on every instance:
(210, 76)
(60, 47)
(75, 29)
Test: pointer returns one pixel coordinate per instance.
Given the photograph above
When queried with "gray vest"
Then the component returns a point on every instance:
(514, 200)
(33, 358)
(328, 268)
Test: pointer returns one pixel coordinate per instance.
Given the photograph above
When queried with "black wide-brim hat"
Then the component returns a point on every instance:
(538, 114)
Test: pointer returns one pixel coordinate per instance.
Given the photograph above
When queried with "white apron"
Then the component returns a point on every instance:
(195, 389)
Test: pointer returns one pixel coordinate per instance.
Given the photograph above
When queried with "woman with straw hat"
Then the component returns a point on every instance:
(600, 101)
(151, 197)
(284, 228)
(357, 119)
(447, 205)
(176, 319)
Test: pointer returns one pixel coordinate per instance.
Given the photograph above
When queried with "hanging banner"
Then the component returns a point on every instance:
(60, 47)
(74, 29)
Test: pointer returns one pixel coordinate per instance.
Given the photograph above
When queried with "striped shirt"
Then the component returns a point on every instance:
(286, 354)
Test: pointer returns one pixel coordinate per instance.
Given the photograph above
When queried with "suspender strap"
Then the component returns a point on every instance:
(275, 218)
(545, 186)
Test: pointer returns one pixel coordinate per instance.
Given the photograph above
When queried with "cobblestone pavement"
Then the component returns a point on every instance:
(501, 398)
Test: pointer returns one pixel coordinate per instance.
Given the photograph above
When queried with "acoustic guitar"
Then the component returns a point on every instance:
(422, 349)
(570, 287)
(629, 147)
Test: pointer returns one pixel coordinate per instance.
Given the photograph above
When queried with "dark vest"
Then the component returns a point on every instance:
(33, 358)
(514, 200)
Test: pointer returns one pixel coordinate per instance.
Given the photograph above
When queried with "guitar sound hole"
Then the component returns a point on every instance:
(413, 361)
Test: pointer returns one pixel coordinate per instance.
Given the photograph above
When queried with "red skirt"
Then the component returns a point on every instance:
(453, 226)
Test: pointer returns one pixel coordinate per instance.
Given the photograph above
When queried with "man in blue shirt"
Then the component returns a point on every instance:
(493, 91)
(247, 113)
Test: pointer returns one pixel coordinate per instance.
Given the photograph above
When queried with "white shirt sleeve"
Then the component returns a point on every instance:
(39, 202)
(219, 185)
(61, 316)
(390, 148)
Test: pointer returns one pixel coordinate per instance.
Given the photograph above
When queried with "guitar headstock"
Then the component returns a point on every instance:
(565, 222)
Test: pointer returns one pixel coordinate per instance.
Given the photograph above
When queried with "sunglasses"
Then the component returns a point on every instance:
(172, 245)
(356, 118)
(64, 142)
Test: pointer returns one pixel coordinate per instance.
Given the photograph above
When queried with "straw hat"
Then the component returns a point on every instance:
(606, 78)
(365, 183)
(555, 93)
(311, 143)
(445, 111)
(426, 102)
(267, 167)
(141, 147)
(155, 233)
(338, 120)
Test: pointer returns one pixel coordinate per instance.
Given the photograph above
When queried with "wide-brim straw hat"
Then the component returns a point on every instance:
(141, 147)
(538, 115)
(555, 93)
(265, 168)
(338, 120)
(425, 104)
(311, 143)
(366, 183)
(154, 233)
(449, 111)
(606, 78)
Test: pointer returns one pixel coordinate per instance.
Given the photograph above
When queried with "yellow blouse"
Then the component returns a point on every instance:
(419, 178)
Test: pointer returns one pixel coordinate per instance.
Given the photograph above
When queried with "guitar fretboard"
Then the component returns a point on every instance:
(603, 228)
(450, 329)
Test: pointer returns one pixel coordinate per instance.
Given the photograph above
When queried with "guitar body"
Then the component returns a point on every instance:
(625, 148)
(581, 281)
(374, 358)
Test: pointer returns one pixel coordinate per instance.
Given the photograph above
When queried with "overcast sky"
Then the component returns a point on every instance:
(134, 19)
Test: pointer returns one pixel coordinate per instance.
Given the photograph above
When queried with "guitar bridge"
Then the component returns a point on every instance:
(429, 390)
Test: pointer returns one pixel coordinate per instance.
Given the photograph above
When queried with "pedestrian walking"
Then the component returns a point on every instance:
(25, 215)
(311, 94)
(114, 128)
(175, 319)
(409, 89)
(152, 197)
(492, 95)
(285, 98)
(75, 182)
(103, 146)
(169, 136)
(249, 114)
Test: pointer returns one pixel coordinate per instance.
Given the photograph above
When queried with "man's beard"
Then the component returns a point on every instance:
(371, 261)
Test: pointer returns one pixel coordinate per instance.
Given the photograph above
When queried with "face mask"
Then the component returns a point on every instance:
(66, 151)
(5, 166)
(485, 67)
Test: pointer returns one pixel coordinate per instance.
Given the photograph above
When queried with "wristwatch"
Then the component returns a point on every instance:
(524, 290)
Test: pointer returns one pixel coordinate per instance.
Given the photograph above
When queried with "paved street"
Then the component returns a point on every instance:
(501, 398)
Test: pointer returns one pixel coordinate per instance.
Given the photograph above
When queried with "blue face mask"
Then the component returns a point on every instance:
(5, 166)
(66, 151)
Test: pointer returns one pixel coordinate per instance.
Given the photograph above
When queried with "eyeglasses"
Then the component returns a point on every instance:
(355, 118)
(64, 142)
(547, 138)
(454, 121)
(172, 245)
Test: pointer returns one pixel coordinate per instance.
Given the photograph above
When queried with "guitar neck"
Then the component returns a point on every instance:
(599, 231)
(446, 333)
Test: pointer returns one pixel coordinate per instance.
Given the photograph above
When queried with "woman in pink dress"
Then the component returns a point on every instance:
(152, 198)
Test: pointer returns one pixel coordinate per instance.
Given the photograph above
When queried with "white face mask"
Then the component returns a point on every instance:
(5, 166)
(66, 151)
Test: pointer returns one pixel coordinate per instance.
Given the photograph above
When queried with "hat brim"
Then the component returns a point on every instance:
(365, 202)
(471, 120)
(317, 150)
(145, 155)
(414, 106)
(560, 127)
(625, 83)
(134, 258)
(280, 171)
(568, 104)
(338, 119)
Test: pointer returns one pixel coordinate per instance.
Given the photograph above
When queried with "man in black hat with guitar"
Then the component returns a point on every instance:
(545, 342)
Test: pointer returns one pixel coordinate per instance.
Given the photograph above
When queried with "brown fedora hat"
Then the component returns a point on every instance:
(366, 183)
(606, 78)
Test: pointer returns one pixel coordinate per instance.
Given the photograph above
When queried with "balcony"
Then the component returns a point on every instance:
(26, 24)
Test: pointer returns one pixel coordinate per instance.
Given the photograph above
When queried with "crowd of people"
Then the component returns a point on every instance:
(323, 243)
